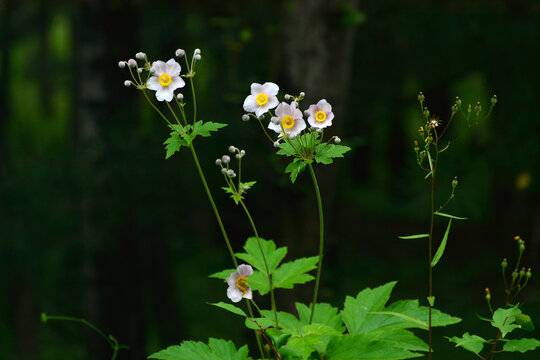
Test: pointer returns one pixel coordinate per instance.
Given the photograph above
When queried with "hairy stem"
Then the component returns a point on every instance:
(269, 276)
(321, 241)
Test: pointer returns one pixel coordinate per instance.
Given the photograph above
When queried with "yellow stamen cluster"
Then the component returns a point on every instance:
(288, 122)
(241, 284)
(261, 99)
(320, 116)
(165, 79)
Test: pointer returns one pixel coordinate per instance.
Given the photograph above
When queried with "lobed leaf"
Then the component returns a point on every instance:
(325, 153)
(521, 345)
(469, 342)
(504, 319)
(254, 257)
(204, 128)
(216, 349)
(294, 272)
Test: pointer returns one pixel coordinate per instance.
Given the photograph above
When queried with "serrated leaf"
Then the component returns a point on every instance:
(309, 338)
(400, 338)
(325, 153)
(449, 216)
(286, 320)
(249, 185)
(173, 144)
(254, 257)
(229, 307)
(419, 236)
(473, 343)
(323, 314)
(223, 274)
(521, 345)
(204, 128)
(442, 246)
(216, 349)
(286, 149)
(259, 282)
(504, 319)
(262, 322)
(368, 300)
(403, 316)
(294, 272)
(364, 347)
(295, 168)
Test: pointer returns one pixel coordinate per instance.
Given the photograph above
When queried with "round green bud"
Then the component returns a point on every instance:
(454, 182)
(504, 263)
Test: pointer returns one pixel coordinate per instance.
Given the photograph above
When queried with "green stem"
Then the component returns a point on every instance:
(321, 240)
(269, 276)
(432, 221)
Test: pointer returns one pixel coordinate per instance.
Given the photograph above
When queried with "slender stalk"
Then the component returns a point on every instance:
(269, 276)
(430, 247)
(321, 240)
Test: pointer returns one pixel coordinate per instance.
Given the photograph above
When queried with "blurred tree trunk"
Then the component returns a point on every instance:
(318, 53)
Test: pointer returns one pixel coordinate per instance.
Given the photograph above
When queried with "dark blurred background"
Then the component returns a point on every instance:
(95, 223)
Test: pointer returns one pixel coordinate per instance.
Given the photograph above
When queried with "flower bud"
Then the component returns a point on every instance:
(416, 148)
(180, 96)
(522, 272)
(225, 159)
(276, 144)
(294, 104)
(245, 117)
(514, 274)
(306, 113)
(528, 274)
(197, 51)
(274, 119)
(287, 97)
(218, 162)
(488, 294)
(127, 83)
(493, 100)
(292, 137)
(179, 52)
(504, 263)
(237, 156)
(242, 153)
(121, 64)
(458, 101)
(421, 96)
(224, 170)
(140, 56)
(455, 108)
(469, 109)
(521, 247)
(197, 57)
(337, 140)
(426, 113)
(302, 94)
(132, 63)
(230, 173)
(231, 149)
(454, 183)
(139, 70)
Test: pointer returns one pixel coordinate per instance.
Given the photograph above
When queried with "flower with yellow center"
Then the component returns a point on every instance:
(288, 120)
(238, 285)
(165, 79)
(263, 98)
(320, 115)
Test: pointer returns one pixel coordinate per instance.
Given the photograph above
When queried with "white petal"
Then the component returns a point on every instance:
(245, 270)
(250, 104)
(153, 83)
(269, 88)
(158, 67)
(234, 294)
(313, 109)
(299, 125)
(297, 114)
(272, 102)
(256, 89)
(164, 94)
(311, 120)
(260, 110)
(329, 116)
(324, 106)
(280, 110)
(275, 127)
(248, 294)
(231, 280)
(177, 82)
(172, 67)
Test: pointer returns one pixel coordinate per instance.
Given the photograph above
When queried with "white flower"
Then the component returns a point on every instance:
(289, 121)
(263, 98)
(320, 115)
(165, 79)
(238, 286)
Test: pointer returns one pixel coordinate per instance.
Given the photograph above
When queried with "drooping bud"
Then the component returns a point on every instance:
(127, 83)
(276, 144)
(337, 140)
(225, 159)
(302, 94)
(179, 52)
(140, 55)
(231, 149)
(218, 162)
(180, 96)
(197, 51)
(242, 152)
(287, 97)
(139, 70)
(197, 57)
(121, 64)
(245, 117)
(132, 63)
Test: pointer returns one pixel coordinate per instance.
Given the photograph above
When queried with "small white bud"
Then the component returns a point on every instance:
(180, 96)
(127, 83)
(242, 152)
(132, 63)
(139, 70)
(274, 119)
(140, 56)
(231, 149)
(224, 170)
(226, 159)
(179, 52)
(230, 172)
(292, 137)
(245, 187)
(294, 104)
(276, 144)
(245, 117)
(302, 94)
(287, 97)
(197, 51)
(337, 140)
(306, 113)
(238, 156)
(121, 64)
(218, 162)
(197, 57)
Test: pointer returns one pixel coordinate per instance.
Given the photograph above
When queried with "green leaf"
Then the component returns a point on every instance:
(286, 149)
(254, 257)
(504, 319)
(229, 307)
(525, 322)
(204, 129)
(223, 274)
(308, 339)
(263, 322)
(431, 300)
(356, 309)
(419, 236)
(400, 338)
(441, 248)
(325, 153)
(449, 216)
(295, 167)
(259, 282)
(173, 144)
(323, 314)
(403, 316)
(277, 337)
(216, 349)
(469, 342)
(286, 320)
(521, 345)
(364, 347)
(249, 185)
(294, 272)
